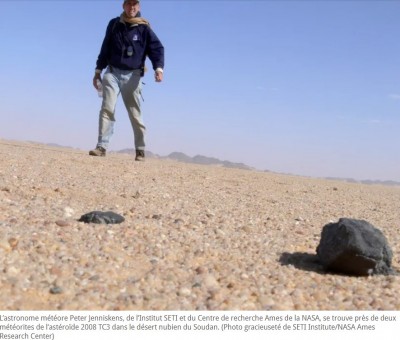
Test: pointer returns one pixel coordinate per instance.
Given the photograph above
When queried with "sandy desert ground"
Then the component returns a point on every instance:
(195, 237)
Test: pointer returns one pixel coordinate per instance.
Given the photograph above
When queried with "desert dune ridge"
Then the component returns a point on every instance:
(195, 237)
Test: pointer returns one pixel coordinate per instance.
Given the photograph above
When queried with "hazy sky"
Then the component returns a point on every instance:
(303, 87)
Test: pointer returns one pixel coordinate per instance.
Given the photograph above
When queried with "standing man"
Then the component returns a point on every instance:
(128, 41)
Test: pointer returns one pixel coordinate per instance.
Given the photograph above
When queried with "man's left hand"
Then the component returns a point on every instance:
(158, 76)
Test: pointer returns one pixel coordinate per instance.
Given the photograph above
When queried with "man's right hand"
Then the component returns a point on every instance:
(96, 77)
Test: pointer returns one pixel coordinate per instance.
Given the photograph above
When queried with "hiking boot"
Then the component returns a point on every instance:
(139, 155)
(99, 151)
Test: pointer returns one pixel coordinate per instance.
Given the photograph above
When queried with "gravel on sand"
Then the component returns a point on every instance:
(195, 237)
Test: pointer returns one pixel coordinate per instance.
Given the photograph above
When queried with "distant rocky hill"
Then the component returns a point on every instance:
(366, 181)
(198, 159)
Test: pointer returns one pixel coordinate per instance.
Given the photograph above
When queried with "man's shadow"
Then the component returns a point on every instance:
(303, 261)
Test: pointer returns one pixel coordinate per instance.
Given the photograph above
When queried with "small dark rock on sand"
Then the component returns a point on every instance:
(100, 217)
